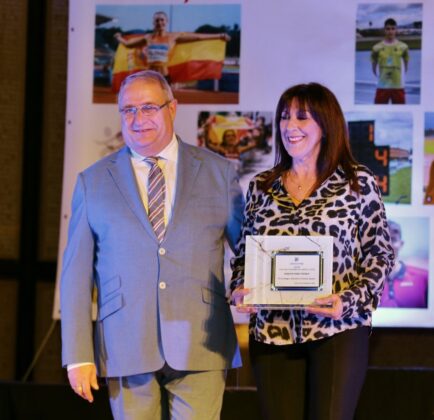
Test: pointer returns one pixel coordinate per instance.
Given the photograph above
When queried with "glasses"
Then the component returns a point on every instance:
(149, 110)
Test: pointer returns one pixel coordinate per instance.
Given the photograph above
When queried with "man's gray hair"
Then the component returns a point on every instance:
(147, 76)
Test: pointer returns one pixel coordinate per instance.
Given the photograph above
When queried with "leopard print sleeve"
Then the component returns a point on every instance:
(375, 257)
(237, 262)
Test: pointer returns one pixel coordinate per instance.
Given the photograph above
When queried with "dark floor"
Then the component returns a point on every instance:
(388, 394)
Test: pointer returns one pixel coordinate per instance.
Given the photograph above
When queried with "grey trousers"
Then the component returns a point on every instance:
(168, 394)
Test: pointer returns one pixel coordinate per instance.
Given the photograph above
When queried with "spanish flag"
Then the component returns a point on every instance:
(218, 124)
(127, 61)
(198, 60)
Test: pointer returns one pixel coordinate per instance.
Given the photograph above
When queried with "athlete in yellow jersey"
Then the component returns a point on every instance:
(387, 58)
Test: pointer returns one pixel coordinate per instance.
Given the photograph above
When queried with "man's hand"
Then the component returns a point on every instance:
(333, 311)
(82, 379)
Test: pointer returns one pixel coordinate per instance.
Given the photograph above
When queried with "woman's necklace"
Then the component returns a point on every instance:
(298, 191)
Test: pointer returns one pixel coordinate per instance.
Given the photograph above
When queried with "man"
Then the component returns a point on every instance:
(388, 56)
(150, 236)
(160, 43)
(406, 285)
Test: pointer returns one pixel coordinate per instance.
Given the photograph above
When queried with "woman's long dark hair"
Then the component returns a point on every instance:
(335, 150)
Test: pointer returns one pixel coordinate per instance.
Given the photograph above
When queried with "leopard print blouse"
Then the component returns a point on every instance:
(363, 255)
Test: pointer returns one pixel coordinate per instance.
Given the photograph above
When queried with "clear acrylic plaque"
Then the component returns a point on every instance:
(287, 271)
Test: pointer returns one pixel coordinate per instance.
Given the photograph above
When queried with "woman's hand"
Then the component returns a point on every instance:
(238, 299)
(333, 311)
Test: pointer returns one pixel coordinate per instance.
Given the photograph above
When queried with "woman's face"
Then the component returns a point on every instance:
(301, 135)
(160, 22)
(230, 138)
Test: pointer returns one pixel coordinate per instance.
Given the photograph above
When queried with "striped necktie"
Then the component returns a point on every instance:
(156, 197)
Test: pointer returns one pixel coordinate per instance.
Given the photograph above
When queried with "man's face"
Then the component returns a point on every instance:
(145, 134)
(390, 32)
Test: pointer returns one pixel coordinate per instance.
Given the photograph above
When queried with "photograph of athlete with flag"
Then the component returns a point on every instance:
(195, 47)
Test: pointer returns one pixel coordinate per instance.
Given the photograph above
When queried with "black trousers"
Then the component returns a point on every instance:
(317, 380)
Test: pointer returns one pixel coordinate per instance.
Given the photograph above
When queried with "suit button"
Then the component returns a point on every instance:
(162, 251)
(162, 285)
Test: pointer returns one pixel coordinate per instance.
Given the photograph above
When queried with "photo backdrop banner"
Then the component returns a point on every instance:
(254, 51)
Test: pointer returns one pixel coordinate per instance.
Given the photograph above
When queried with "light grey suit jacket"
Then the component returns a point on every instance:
(141, 324)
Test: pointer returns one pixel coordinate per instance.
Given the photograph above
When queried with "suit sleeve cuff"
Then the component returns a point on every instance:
(76, 365)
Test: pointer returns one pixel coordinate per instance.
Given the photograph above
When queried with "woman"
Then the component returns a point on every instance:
(312, 363)
(160, 43)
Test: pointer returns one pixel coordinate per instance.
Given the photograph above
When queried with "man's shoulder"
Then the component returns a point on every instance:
(378, 46)
(402, 45)
(204, 154)
(102, 163)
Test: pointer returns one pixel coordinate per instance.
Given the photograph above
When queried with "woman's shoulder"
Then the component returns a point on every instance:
(365, 178)
(364, 174)
(259, 178)
(256, 183)
(362, 170)
(367, 181)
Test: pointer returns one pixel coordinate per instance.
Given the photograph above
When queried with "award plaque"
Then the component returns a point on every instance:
(287, 271)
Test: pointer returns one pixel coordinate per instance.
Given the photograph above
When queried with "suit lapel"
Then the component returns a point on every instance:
(188, 168)
(121, 170)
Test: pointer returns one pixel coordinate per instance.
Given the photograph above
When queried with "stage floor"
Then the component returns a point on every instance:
(388, 394)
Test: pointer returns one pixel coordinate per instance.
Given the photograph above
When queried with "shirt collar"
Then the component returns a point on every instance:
(170, 152)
